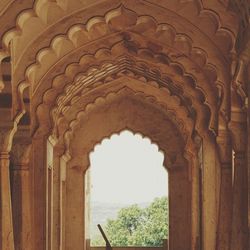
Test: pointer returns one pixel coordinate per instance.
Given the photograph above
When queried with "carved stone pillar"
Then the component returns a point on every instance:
(225, 203)
(39, 173)
(58, 150)
(7, 238)
(209, 193)
(55, 150)
(6, 224)
(240, 187)
(75, 194)
(7, 132)
(179, 208)
(20, 182)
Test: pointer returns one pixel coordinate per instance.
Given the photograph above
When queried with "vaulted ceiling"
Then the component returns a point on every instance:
(56, 57)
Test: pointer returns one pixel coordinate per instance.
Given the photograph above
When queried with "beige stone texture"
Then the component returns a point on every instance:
(73, 72)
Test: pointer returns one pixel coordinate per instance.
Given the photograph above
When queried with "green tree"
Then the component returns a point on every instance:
(135, 226)
(155, 226)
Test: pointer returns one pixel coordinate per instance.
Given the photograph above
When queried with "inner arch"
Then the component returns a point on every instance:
(125, 169)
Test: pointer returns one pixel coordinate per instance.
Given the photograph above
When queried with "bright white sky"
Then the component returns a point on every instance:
(127, 169)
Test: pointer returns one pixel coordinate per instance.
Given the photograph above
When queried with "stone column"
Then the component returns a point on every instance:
(58, 150)
(63, 163)
(75, 194)
(225, 203)
(179, 208)
(7, 132)
(87, 180)
(20, 182)
(39, 199)
(240, 188)
(6, 226)
(55, 149)
(209, 192)
(240, 112)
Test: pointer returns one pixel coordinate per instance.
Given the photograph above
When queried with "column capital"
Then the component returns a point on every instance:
(21, 149)
(20, 155)
(5, 138)
(7, 132)
(4, 143)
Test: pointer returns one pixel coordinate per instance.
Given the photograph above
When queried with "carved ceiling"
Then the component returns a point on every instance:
(56, 57)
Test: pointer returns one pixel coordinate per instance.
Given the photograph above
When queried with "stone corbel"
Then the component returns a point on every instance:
(189, 155)
(177, 162)
(239, 67)
(58, 145)
(238, 128)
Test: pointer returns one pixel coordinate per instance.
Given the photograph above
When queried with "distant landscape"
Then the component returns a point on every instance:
(102, 211)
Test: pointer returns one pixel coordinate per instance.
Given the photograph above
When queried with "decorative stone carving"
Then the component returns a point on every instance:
(72, 58)
(239, 79)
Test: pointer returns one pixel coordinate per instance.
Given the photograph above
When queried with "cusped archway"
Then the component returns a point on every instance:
(113, 114)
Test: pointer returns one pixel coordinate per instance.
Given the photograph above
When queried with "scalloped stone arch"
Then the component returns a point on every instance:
(107, 54)
(72, 39)
(163, 99)
(69, 40)
(98, 124)
(136, 87)
(90, 181)
(184, 124)
(155, 69)
(41, 7)
(50, 95)
(197, 57)
(181, 121)
(140, 86)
